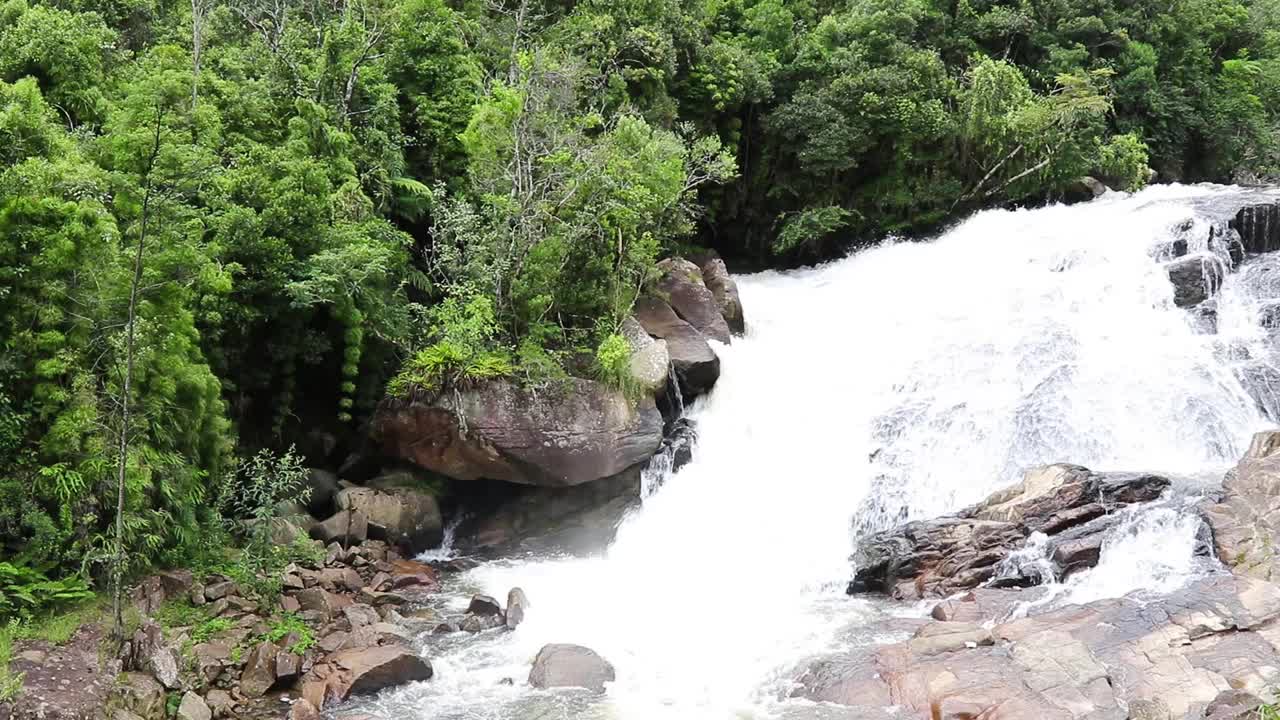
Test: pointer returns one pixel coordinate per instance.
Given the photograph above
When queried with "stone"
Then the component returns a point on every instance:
(150, 653)
(484, 605)
(288, 663)
(723, 288)
(517, 602)
(563, 665)
(141, 694)
(400, 516)
(290, 604)
(1259, 227)
(220, 702)
(566, 434)
(210, 658)
(259, 670)
(176, 583)
(1246, 520)
(1195, 278)
(696, 365)
(650, 363)
(322, 601)
(219, 590)
(341, 578)
(481, 623)
(686, 292)
(193, 707)
(360, 615)
(345, 526)
(942, 556)
(367, 670)
(302, 709)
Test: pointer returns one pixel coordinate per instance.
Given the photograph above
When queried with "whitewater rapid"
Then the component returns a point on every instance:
(905, 381)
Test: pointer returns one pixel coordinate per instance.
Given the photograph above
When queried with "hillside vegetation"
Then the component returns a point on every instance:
(240, 220)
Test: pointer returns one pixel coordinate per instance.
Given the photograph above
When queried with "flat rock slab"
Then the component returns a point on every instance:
(1090, 662)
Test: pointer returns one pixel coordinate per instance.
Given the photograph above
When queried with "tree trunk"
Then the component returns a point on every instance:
(122, 459)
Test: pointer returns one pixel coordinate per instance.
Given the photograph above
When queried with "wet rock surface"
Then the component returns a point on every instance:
(939, 557)
(1095, 661)
(563, 665)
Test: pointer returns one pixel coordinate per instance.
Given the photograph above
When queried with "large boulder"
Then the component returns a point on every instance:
(697, 366)
(568, 433)
(363, 671)
(1246, 520)
(399, 515)
(1101, 661)
(1195, 278)
(650, 362)
(1071, 505)
(348, 527)
(687, 293)
(562, 665)
(723, 288)
(1259, 227)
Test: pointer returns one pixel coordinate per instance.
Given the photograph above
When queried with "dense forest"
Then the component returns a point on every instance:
(225, 224)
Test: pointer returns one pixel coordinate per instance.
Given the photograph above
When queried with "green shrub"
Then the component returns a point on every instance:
(25, 591)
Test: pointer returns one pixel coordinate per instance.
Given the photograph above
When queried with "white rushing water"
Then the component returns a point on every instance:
(905, 381)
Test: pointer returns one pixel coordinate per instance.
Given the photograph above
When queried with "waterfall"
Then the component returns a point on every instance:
(905, 381)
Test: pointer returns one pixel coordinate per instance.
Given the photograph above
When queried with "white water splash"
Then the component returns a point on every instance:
(446, 551)
(903, 382)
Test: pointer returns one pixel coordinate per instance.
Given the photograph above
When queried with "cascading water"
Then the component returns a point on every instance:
(905, 381)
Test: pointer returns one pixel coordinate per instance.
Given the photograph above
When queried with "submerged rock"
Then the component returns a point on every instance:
(952, 554)
(561, 665)
(568, 433)
(1196, 278)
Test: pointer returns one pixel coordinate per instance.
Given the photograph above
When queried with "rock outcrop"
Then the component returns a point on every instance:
(562, 665)
(687, 293)
(566, 434)
(696, 365)
(723, 288)
(1246, 520)
(1067, 503)
(398, 515)
(1100, 661)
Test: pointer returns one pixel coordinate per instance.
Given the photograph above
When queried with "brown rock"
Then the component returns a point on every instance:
(1246, 521)
(696, 364)
(219, 590)
(397, 515)
(259, 670)
(484, 605)
(303, 709)
(360, 615)
(568, 434)
(368, 670)
(193, 707)
(346, 527)
(322, 601)
(688, 295)
(723, 288)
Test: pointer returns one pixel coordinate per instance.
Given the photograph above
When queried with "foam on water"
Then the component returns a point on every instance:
(905, 381)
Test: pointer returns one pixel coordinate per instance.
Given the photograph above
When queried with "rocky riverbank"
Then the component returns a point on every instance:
(1210, 649)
